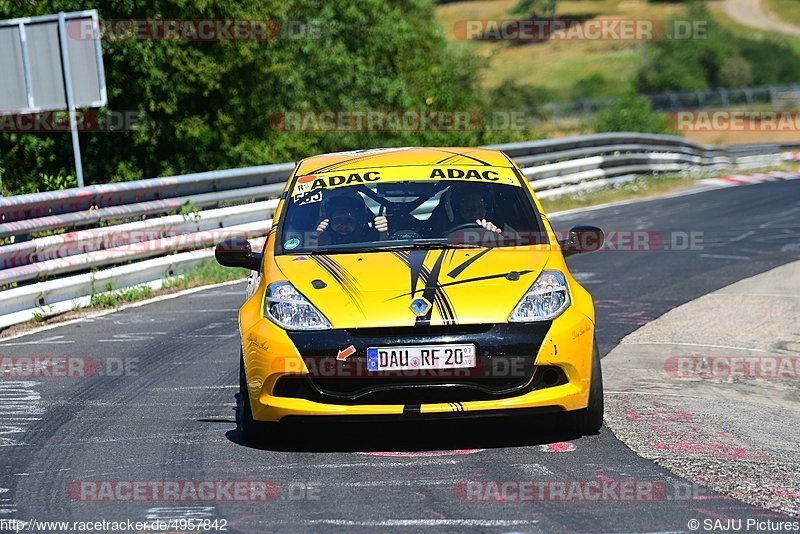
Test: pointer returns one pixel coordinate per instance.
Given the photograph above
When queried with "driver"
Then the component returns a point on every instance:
(346, 220)
(467, 204)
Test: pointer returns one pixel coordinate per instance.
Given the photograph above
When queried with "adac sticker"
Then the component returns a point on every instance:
(291, 243)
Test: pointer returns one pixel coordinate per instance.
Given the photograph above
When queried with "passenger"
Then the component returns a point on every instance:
(346, 219)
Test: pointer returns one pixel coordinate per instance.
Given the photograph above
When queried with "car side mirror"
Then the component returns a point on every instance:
(582, 239)
(236, 252)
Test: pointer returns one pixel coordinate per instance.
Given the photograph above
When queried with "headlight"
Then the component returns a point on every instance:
(547, 298)
(287, 308)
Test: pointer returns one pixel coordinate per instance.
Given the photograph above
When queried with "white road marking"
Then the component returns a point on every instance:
(412, 522)
(691, 345)
(53, 340)
(735, 239)
(533, 469)
(724, 257)
(202, 310)
(132, 337)
(182, 388)
(432, 461)
(379, 483)
(17, 398)
(103, 313)
(659, 393)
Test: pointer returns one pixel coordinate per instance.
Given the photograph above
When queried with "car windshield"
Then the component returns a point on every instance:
(409, 214)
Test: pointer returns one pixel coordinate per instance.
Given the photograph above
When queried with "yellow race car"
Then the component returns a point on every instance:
(414, 283)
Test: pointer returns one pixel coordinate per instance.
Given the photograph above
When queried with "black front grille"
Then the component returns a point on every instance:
(421, 330)
(418, 391)
(505, 356)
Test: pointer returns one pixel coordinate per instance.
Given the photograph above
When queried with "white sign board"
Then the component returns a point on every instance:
(52, 63)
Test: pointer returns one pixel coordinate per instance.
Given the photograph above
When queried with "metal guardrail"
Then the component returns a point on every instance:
(168, 245)
(768, 96)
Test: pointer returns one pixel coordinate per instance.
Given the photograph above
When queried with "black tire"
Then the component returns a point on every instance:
(252, 431)
(590, 419)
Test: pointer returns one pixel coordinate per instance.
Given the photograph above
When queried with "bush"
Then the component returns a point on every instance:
(594, 86)
(631, 113)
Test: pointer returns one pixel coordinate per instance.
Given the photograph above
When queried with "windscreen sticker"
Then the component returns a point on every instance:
(291, 243)
(471, 174)
(308, 197)
(312, 182)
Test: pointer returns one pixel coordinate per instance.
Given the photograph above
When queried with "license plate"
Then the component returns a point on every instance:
(420, 357)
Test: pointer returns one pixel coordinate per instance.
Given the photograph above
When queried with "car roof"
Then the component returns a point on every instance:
(399, 157)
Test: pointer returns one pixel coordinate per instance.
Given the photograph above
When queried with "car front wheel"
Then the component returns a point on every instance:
(252, 431)
(590, 419)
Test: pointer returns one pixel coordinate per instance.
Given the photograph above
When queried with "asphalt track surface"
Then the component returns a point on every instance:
(172, 415)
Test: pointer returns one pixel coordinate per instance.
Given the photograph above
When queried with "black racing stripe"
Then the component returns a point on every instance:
(416, 260)
(467, 280)
(431, 289)
(350, 283)
(437, 301)
(412, 409)
(319, 261)
(401, 255)
(455, 273)
(445, 160)
(448, 303)
(445, 307)
(342, 278)
(489, 277)
(333, 166)
(465, 155)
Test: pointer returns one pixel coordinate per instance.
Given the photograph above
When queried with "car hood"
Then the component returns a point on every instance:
(376, 289)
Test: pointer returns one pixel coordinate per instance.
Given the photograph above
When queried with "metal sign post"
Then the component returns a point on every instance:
(52, 63)
(73, 122)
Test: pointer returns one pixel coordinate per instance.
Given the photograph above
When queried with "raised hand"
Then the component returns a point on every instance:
(323, 224)
(382, 224)
(488, 225)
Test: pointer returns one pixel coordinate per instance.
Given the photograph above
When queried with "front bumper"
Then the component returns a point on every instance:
(296, 374)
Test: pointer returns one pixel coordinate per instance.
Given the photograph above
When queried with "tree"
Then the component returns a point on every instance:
(210, 105)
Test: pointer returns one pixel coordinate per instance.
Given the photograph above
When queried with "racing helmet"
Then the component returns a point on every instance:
(459, 191)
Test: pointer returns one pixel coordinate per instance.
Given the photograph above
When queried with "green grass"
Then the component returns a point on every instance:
(787, 10)
(208, 272)
(740, 30)
(38, 316)
(114, 298)
(642, 187)
(558, 64)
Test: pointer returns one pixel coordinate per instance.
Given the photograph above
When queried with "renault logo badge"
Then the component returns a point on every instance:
(420, 306)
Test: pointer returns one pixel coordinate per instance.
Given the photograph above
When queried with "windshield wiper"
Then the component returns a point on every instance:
(377, 247)
(430, 244)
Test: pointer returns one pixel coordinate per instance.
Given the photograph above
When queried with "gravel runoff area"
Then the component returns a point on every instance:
(710, 390)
